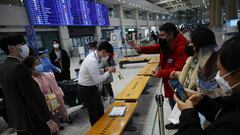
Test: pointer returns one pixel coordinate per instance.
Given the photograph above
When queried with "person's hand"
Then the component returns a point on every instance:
(57, 60)
(114, 69)
(53, 126)
(194, 96)
(111, 69)
(173, 75)
(154, 74)
(188, 104)
(58, 70)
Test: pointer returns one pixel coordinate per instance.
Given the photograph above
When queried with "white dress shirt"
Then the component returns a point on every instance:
(89, 74)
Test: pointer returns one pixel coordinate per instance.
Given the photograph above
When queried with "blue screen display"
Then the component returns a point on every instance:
(67, 13)
(102, 14)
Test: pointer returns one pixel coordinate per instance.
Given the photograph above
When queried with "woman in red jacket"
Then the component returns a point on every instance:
(172, 55)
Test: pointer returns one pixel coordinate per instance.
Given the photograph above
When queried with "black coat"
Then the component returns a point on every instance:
(65, 60)
(26, 105)
(222, 112)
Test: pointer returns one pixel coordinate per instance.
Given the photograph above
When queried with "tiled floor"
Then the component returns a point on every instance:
(146, 104)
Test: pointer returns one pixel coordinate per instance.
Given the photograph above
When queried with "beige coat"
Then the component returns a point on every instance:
(202, 59)
(183, 74)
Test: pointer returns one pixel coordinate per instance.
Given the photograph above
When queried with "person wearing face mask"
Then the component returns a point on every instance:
(201, 49)
(106, 85)
(60, 59)
(26, 107)
(45, 63)
(47, 84)
(90, 76)
(222, 112)
(200, 69)
(172, 57)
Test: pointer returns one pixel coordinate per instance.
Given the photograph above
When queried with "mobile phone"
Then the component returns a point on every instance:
(178, 89)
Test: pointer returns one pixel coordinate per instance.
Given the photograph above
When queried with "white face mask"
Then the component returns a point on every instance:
(224, 85)
(104, 58)
(25, 51)
(56, 45)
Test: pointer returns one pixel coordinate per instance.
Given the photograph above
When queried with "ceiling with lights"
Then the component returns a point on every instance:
(161, 6)
(181, 5)
(143, 5)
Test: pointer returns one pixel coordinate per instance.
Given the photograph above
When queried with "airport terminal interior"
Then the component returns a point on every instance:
(146, 44)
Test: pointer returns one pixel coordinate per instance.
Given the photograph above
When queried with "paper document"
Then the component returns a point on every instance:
(118, 111)
(174, 115)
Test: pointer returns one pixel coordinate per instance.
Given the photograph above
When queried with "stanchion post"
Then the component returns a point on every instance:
(159, 99)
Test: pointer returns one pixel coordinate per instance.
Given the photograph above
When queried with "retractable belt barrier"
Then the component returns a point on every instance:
(130, 60)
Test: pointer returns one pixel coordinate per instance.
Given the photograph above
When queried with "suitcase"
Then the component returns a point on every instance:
(72, 96)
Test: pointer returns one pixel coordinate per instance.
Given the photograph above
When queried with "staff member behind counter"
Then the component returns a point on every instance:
(90, 76)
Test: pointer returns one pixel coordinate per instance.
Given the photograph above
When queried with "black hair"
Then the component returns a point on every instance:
(33, 51)
(56, 41)
(60, 46)
(202, 37)
(11, 40)
(41, 50)
(229, 53)
(169, 28)
(29, 61)
(105, 45)
(92, 45)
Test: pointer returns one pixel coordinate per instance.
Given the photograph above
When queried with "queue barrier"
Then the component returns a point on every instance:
(134, 89)
(130, 60)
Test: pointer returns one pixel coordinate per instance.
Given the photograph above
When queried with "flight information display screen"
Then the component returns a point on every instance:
(102, 14)
(66, 13)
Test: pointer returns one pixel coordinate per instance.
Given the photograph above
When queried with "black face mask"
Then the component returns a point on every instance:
(162, 41)
(189, 50)
(164, 45)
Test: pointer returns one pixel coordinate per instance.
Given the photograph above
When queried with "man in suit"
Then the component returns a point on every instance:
(26, 106)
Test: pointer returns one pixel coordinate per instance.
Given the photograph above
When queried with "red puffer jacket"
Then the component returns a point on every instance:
(173, 61)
